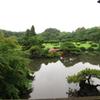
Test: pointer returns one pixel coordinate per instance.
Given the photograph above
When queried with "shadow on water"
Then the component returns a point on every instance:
(50, 75)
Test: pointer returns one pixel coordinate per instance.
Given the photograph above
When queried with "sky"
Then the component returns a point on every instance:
(65, 15)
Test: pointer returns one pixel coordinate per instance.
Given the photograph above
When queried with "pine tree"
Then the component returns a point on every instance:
(32, 31)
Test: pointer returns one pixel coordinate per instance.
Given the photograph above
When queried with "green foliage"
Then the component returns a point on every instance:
(50, 34)
(82, 75)
(28, 42)
(91, 34)
(69, 47)
(52, 55)
(13, 69)
(35, 51)
(51, 45)
(29, 38)
(39, 52)
(82, 48)
(90, 49)
(10, 33)
(31, 32)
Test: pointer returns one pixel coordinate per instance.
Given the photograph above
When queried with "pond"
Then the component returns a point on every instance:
(51, 75)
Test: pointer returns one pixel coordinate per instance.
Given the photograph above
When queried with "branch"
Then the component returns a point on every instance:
(97, 85)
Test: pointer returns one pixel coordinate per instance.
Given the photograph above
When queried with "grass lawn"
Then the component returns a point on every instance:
(51, 45)
(86, 45)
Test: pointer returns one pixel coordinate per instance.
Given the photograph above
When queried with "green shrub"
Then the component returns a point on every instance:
(68, 47)
(94, 45)
(90, 49)
(35, 51)
(13, 70)
(82, 48)
(83, 75)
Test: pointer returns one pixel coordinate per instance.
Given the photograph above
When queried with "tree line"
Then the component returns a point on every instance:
(17, 48)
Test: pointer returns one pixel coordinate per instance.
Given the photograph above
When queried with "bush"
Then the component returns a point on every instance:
(90, 49)
(94, 45)
(82, 48)
(13, 70)
(35, 51)
(84, 79)
(69, 48)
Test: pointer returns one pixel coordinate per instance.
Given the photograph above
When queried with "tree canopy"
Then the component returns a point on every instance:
(13, 69)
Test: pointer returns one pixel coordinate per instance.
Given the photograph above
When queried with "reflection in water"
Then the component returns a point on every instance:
(92, 59)
(51, 82)
(36, 63)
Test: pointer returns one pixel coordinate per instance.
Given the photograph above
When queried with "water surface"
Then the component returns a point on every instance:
(51, 78)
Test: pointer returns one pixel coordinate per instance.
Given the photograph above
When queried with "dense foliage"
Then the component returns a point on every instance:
(85, 80)
(84, 75)
(13, 69)
(80, 34)
(16, 46)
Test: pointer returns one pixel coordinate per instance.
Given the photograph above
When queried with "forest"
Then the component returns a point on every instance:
(18, 49)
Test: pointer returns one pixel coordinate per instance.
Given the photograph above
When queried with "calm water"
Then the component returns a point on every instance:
(51, 75)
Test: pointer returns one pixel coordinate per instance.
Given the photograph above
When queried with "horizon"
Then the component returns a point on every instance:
(48, 28)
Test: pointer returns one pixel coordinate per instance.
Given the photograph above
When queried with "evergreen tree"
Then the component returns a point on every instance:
(28, 32)
(32, 31)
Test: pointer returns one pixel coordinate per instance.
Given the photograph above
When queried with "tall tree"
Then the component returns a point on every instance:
(27, 32)
(32, 31)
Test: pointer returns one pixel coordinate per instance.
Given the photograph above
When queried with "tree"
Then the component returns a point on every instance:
(29, 38)
(31, 32)
(14, 72)
(69, 48)
(84, 79)
(28, 32)
(50, 34)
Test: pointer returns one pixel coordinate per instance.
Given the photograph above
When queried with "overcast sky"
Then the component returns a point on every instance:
(65, 15)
